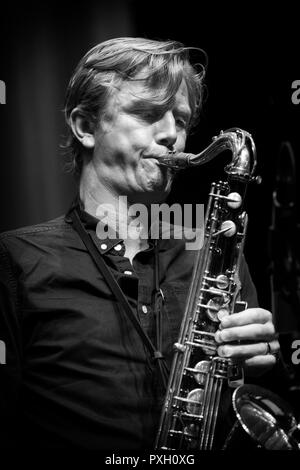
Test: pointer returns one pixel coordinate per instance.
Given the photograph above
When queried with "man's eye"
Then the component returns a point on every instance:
(148, 115)
(151, 115)
(181, 122)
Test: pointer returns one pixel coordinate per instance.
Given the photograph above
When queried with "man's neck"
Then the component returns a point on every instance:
(114, 210)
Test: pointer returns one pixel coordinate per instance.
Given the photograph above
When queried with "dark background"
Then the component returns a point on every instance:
(253, 58)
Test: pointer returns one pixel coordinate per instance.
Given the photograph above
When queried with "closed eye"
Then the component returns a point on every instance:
(181, 122)
(145, 110)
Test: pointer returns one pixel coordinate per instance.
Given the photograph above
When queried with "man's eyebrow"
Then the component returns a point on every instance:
(141, 104)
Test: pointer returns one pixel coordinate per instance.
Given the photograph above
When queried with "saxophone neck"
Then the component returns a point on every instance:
(238, 141)
(244, 161)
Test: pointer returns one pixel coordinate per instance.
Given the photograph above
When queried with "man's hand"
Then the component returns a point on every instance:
(249, 337)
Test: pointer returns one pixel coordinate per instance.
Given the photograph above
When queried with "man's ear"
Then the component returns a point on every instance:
(82, 129)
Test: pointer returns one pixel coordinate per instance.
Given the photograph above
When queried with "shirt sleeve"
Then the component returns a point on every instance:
(10, 352)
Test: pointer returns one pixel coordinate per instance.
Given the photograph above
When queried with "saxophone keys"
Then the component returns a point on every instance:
(223, 312)
(192, 432)
(222, 281)
(215, 305)
(194, 401)
(179, 347)
(234, 200)
(228, 228)
(201, 370)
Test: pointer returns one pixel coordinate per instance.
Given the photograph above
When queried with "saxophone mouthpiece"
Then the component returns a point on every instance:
(172, 159)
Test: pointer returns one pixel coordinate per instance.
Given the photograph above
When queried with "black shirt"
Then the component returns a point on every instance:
(77, 372)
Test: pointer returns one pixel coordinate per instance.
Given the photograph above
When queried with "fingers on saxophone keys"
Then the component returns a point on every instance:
(249, 316)
(247, 351)
(254, 332)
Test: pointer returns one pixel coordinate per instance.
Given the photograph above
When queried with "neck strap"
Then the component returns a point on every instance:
(119, 295)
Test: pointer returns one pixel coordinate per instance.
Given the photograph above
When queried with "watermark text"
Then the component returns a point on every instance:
(138, 221)
(151, 459)
(296, 354)
(2, 92)
(2, 352)
(296, 93)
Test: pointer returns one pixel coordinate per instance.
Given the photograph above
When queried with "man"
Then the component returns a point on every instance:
(77, 372)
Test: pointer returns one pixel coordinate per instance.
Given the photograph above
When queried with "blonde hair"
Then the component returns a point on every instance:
(163, 64)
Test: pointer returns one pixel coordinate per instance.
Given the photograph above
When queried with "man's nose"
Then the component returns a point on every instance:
(166, 133)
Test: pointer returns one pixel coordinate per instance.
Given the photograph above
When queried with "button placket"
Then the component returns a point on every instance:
(118, 247)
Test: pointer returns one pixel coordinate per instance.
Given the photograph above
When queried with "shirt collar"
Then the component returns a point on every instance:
(90, 224)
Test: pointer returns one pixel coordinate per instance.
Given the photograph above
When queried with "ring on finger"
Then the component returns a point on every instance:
(268, 349)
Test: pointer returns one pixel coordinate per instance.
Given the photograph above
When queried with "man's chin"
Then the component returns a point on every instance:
(154, 171)
(156, 192)
(161, 181)
(155, 182)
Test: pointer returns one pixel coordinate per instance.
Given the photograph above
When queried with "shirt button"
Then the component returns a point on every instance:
(129, 273)
(144, 309)
(103, 246)
(118, 247)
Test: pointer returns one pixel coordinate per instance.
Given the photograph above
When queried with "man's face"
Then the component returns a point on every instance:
(133, 129)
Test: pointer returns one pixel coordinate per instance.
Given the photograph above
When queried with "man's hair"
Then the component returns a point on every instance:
(162, 64)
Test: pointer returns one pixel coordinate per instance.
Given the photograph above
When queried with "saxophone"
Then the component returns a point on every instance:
(199, 378)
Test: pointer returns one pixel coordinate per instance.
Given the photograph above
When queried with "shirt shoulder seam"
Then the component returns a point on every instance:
(34, 230)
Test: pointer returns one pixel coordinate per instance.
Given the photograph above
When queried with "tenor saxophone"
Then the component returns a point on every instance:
(199, 377)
